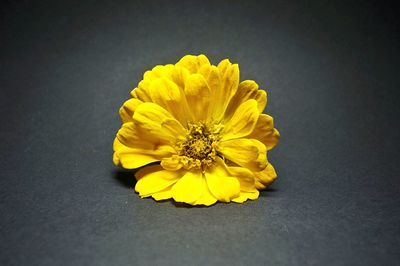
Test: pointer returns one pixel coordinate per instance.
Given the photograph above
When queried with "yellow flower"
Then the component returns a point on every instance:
(204, 127)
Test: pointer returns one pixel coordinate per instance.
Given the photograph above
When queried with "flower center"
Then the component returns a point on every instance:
(198, 148)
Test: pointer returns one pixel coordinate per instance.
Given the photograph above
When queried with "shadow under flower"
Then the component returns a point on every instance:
(125, 178)
(188, 206)
(268, 192)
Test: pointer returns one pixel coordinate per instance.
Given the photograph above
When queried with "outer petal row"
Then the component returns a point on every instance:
(128, 109)
(131, 158)
(265, 177)
(265, 132)
(153, 179)
(248, 90)
(218, 183)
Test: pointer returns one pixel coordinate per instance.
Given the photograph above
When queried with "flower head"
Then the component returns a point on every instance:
(204, 127)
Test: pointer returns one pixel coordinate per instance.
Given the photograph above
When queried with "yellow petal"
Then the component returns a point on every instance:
(179, 76)
(247, 90)
(128, 108)
(158, 122)
(212, 76)
(265, 177)
(230, 80)
(246, 178)
(265, 132)
(249, 153)
(133, 136)
(131, 158)
(189, 188)
(213, 79)
(198, 96)
(247, 184)
(141, 93)
(261, 98)
(160, 71)
(116, 159)
(168, 95)
(174, 73)
(133, 148)
(116, 146)
(206, 198)
(172, 163)
(153, 179)
(223, 66)
(193, 63)
(173, 127)
(246, 195)
(221, 185)
(242, 122)
(229, 74)
(146, 171)
(163, 195)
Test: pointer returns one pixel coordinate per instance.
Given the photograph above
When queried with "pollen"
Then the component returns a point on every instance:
(198, 148)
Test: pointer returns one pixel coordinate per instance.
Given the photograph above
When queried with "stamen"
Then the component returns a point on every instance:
(198, 149)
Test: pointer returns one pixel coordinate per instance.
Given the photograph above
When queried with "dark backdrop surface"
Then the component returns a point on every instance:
(332, 74)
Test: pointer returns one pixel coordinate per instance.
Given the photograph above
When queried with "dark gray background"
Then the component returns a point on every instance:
(332, 73)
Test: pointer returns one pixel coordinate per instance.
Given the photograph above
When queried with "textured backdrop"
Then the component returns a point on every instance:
(331, 71)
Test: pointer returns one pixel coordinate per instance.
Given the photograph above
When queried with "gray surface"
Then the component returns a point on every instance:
(332, 74)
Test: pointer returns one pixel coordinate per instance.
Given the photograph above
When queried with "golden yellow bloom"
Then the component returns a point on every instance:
(204, 127)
